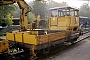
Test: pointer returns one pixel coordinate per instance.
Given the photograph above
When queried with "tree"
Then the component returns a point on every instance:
(39, 7)
(84, 10)
(52, 4)
(30, 3)
(31, 17)
(5, 9)
(8, 20)
(17, 13)
(64, 4)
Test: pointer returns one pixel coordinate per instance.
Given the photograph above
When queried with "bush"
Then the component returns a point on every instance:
(3, 22)
(8, 21)
(31, 17)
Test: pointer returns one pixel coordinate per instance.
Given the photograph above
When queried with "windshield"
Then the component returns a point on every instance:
(54, 13)
(64, 12)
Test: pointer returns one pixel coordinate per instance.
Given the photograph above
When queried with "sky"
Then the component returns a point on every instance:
(74, 3)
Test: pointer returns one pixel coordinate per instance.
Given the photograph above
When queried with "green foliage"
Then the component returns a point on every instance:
(8, 21)
(5, 9)
(31, 17)
(52, 4)
(39, 7)
(5, 21)
(84, 10)
(2, 21)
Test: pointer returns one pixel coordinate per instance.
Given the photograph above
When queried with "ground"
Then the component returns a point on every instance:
(79, 51)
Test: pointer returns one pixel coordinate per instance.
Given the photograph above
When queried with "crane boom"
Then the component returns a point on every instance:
(23, 12)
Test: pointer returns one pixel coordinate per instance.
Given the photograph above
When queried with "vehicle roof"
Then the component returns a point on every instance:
(63, 7)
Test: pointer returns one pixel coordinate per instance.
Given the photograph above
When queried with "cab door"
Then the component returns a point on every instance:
(53, 22)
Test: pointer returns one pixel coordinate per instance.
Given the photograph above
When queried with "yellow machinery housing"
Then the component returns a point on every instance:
(64, 18)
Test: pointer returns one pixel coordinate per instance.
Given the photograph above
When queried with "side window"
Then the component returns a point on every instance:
(68, 13)
(71, 13)
(76, 13)
(59, 13)
(54, 13)
(62, 14)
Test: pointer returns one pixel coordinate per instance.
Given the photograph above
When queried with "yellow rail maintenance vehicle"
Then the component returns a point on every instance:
(63, 27)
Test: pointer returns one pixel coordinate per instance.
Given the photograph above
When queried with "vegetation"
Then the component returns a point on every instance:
(39, 7)
(8, 21)
(84, 10)
(31, 17)
(52, 4)
(4, 11)
(2, 22)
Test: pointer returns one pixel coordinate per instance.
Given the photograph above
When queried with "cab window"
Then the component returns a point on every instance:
(60, 12)
(63, 12)
(54, 13)
(71, 13)
(76, 13)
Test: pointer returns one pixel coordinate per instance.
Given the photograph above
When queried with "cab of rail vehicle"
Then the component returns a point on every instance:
(63, 18)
